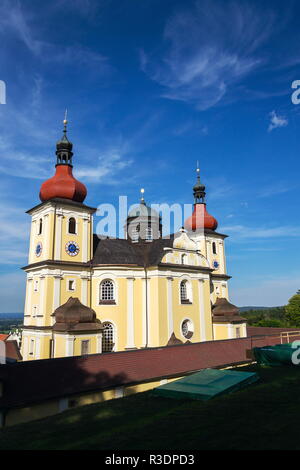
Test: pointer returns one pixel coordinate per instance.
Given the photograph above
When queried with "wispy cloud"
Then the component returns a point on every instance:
(209, 48)
(23, 153)
(243, 232)
(280, 187)
(14, 21)
(191, 126)
(276, 121)
(14, 234)
(12, 284)
(269, 292)
(108, 166)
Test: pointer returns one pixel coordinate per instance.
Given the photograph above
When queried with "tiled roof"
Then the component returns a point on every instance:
(35, 381)
(117, 251)
(12, 351)
(3, 337)
(224, 311)
(122, 251)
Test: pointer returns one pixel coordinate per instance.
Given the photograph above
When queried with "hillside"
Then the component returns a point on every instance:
(246, 309)
(259, 417)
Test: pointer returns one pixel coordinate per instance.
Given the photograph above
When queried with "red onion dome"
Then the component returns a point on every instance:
(63, 185)
(200, 219)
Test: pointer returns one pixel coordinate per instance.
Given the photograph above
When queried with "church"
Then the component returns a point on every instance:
(88, 295)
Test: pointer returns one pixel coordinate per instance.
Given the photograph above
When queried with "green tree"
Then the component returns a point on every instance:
(292, 310)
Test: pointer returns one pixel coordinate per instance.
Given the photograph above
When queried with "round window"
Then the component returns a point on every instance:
(187, 329)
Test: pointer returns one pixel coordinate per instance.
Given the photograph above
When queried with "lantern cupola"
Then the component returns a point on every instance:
(63, 184)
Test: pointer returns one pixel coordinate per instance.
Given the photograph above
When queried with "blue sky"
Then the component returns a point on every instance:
(151, 87)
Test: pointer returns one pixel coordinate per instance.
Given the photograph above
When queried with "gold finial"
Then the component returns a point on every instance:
(198, 169)
(65, 120)
(142, 194)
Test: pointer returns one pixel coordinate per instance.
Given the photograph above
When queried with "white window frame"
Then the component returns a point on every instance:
(114, 338)
(101, 300)
(68, 286)
(76, 225)
(31, 347)
(88, 342)
(189, 292)
(135, 235)
(183, 291)
(191, 329)
(38, 232)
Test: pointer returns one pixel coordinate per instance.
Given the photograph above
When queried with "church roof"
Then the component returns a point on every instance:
(124, 252)
(73, 315)
(224, 311)
(115, 251)
(12, 351)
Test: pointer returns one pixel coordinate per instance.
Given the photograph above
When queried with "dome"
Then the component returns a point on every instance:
(224, 308)
(73, 311)
(224, 311)
(63, 185)
(200, 219)
(199, 187)
(64, 144)
(142, 210)
(74, 316)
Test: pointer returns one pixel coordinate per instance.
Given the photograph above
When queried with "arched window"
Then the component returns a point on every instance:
(107, 292)
(108, 337)
(185, 292)
(183, 259)
(40, 227)
(214, 248)
(72, 225)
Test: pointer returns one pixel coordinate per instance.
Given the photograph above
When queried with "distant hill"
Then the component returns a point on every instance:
(244, 309)
(10, 316)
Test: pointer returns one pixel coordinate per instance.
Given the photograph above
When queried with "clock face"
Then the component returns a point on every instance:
(72, 248)
(38, 249)
(215, 264)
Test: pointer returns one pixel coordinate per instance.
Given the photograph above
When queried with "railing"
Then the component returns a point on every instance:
(283, 337)
(287, 335)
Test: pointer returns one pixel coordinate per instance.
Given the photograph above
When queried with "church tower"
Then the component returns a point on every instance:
(202, 227)
(59, 252)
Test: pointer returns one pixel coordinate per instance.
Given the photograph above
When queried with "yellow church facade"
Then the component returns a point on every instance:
(88, 295)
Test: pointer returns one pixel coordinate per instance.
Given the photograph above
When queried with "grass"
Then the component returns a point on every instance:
(263, 416)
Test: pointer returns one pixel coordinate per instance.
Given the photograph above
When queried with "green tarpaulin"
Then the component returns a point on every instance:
(206, 384)
(278, 355)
